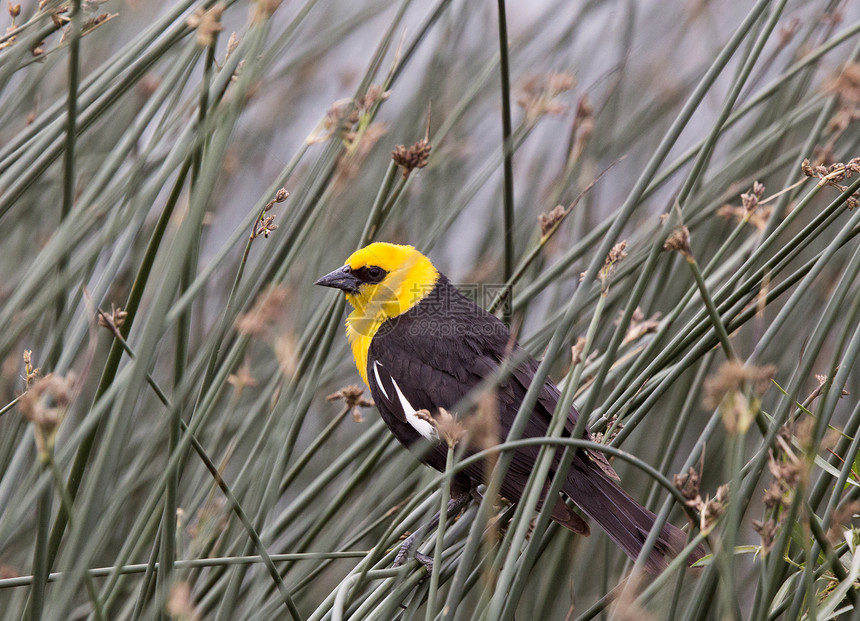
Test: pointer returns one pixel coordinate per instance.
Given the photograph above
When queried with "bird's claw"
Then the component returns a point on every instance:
(400, 558)
(405, 548)
(454, 504)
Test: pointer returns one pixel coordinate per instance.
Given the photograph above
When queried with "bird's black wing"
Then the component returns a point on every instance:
(410, 371)
(432, 356)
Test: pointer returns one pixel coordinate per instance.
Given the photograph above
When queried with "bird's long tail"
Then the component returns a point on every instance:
(625, 521)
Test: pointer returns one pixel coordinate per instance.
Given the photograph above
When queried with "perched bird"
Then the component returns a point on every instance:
(422, 346)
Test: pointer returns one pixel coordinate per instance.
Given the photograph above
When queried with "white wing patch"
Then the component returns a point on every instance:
(425, 428)
(376, 366)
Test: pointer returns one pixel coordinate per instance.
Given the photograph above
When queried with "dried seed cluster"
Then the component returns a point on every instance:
(734, 376)
(412, 157)
(265, 224)
(736, 389)
(710, 509)
(583, 127)
(114, 320)
(242, 379)
(538, 95)
(639, 325)
(679, 241)
(577, 349)
(44, 404)
(835, 173)
(601, 438)
(615, 256)
(789, 471)
(750, 199)
(60, 21)
(348, 119)
(352, 397)
(550, 219)
(751, 209)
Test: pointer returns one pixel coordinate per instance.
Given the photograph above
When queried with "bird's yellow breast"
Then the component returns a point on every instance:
(360, 345)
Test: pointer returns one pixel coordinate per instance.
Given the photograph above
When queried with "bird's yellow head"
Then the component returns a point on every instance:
(381, 281)
(389, 276)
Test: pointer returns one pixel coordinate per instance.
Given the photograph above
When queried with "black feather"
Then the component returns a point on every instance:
(437, 352)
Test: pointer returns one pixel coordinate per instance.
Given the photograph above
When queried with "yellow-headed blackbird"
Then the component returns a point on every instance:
(421, 345)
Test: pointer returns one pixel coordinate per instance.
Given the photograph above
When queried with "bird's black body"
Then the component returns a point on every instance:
(435, 353)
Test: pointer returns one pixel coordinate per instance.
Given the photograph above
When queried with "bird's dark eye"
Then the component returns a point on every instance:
(375, 273)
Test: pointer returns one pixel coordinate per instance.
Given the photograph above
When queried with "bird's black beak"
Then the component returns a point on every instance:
(342, 278)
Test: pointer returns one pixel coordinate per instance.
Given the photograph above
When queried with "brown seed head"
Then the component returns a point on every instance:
(99, 20)
(450, 429)
(584, 109)
(774, 496)
(242, 379)
(822, 380)
(114, 320)
(280, 196)
(352, 397)
(340, 120)
(735, 376)
(577, 349)
(44, 405)
(614, 428)
(359, 145)
(728, 390)
(639, 325)
(583, 126)
(550, 219)
(265, 226)
(688, 484)
(232, 44)
(346, 118)
(374, 95)
(559, 83)
(787, 471)
(538, 94)
(207, 24)
(788, 30)
(615, 256)
(750, 199)
(812, 171)
(410, 158)
(30, 374)
(833, 175)
(757, 218)
(679, 241)
(767, 531)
